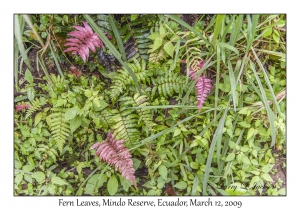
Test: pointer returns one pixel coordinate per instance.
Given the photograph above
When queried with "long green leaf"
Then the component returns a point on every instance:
(218, 27)
(268, 82)
(16, 69)
(28, 21)
(232, 84)
(184, 24)
(217, 80)
(216, 138)
(54, 55)
(266, 103)
(228, 46)
(111, 47)
(236, 30)
(118, 37)
(251, 30)
(18, 35)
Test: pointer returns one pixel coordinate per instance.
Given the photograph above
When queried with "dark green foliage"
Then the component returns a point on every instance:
(135, 32)
(166, 85)
(126, 125)
(123, 79)
(145, 115)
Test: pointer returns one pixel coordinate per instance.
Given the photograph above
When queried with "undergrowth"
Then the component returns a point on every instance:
(198, 108)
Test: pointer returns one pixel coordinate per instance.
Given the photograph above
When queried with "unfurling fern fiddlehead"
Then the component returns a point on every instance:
(60, 128)
(114, 153)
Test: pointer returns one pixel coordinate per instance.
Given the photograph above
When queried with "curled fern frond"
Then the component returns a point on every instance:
(167, 84)
(60, 128)
(122, 79)
(114, 153)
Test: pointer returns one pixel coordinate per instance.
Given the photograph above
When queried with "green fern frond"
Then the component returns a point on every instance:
(103, 119)
(35, 106)
(126, 125)
(134, 33)
(123, 79)
(145, 115)
(167, 84)
(60, 128)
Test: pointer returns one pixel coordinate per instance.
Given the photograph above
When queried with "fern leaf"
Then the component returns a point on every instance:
(126, 125)
(167, 85)
(123, 79)
(203, 87)
(60, 128)
(35, 106)
(114, 153)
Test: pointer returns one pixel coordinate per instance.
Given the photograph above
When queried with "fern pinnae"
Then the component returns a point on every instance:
(36, 105)
(60, 128)
(114, 153)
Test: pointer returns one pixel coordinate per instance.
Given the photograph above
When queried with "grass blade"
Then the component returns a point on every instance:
(195, 184)
(229, 47)
(54, 54)
(18, 35)
(216, 139)
(28, 21)
(16, 65)
(251, 30)
(268, 83)
(236, 30)
(111, 47)
(184, 24)
(217, 80)
(118, 37)
(266, 103)
(218, 27)
(232, 84)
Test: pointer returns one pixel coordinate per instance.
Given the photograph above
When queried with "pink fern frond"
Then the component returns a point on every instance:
(203, 85)
(84, 39)
(21, 107)
(114, 153)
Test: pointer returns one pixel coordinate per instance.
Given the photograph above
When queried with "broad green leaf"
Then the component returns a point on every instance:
(18, 179)
(99, 104)
(75, 123)
(60, 102)
(28, 76)
(58, 181)
(163, 171)
(246, 160)
(112, 185)
(194, 165)
(267, 32)
(177, 132)
(94, 183)
(267, 177)
(236, 189)
(30, 93)
(244, 124)
(230, 157)
(254, 162)
(250, 133)
(282, 191)
(136, 163)
(38, 118)
(181, 185)
(254, 181)
(27, 168)
(267, 168)
(157, 43)
(169, 48)
(71, 113)
(39, 176)
(276, 36)
(162, 30)
(125, 183)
